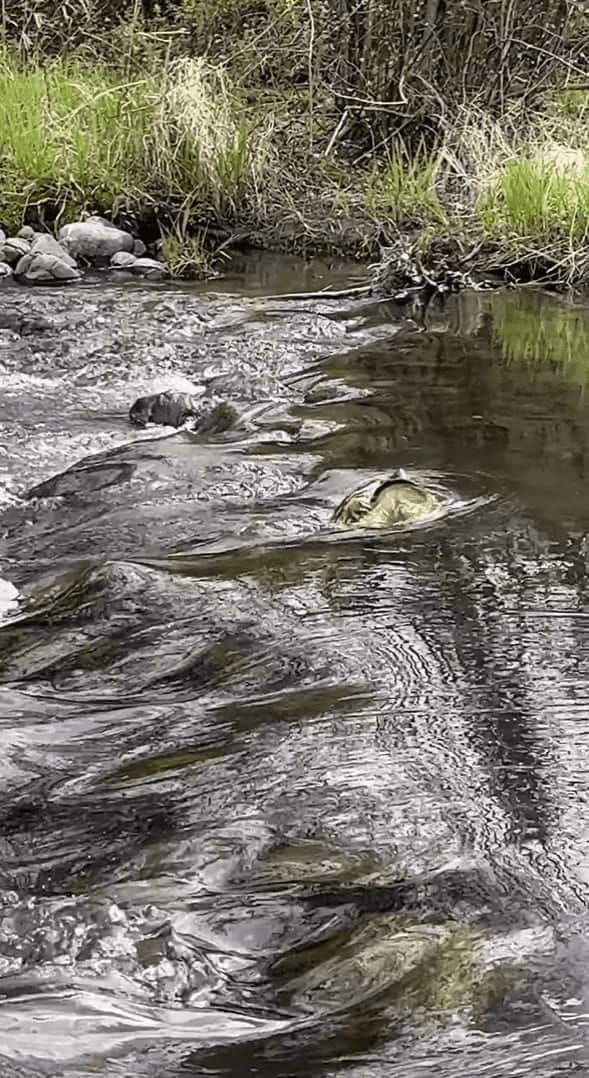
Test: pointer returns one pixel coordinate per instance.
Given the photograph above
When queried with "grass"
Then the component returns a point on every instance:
(403, 189)
(67, 137)
(536, 200)
(74, 139)
(181, 139)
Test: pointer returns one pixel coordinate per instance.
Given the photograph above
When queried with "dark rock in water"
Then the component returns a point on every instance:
(166, 409)
(83, 478)
(174, 409)
(216, 418)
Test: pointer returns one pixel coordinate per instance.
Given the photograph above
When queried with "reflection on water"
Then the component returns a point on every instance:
(544, 335)
(278, 799)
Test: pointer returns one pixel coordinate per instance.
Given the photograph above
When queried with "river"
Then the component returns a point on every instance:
(279, 800)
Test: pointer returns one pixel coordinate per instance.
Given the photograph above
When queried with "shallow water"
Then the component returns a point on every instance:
(277, 799)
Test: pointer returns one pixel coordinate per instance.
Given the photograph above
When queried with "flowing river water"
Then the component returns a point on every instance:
(276, 799)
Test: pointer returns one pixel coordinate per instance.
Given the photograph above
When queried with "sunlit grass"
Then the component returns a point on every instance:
(79, 138)
(539, 201)
(71, 136)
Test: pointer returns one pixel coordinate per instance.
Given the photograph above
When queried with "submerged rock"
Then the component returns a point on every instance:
(95, 240)
(83, 478)
(171, 409)
(382, 504)
(141, 267)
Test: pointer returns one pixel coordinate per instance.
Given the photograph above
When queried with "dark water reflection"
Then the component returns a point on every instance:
(277, 800)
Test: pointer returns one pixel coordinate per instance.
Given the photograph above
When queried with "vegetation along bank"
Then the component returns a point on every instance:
(439, 139)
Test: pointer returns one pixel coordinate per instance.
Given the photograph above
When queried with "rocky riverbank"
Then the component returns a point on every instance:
(38, 258)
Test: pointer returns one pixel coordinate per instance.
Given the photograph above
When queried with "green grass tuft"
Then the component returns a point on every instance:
(538, 201)
(403, 191)
(74, 139)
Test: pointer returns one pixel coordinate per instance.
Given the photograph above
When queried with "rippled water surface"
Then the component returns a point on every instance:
(276, 799)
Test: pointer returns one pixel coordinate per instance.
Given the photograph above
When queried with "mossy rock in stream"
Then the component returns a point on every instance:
(386, 503)
(384, 955)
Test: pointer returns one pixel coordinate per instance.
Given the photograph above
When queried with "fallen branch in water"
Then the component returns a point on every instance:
(343, 293)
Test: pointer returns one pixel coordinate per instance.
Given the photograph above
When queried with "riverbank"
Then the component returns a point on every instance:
(188, 159)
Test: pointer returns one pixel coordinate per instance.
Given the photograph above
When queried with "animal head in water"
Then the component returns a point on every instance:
(382, 504)
(211, 415)
(168, 409)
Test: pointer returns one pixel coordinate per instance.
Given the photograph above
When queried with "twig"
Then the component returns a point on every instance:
(337, 132)
(342, 293)
(310, 69)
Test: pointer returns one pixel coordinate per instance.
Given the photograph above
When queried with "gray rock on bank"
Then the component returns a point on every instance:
(141, 267)
(95, 239)
(46, 261)
(123, 260)
(149, 267)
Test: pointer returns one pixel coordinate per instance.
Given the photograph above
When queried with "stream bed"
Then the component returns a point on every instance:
(280, 800)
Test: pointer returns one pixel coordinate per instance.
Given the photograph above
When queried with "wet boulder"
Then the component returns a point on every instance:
(43, 243)
(37, 267)
(122, 260)
(385, 503)
(13, 249)
(171, 409)
(26, 233)
(5, 270)
(141, 267)
(95, 239)
(46, 262)
(149, 267)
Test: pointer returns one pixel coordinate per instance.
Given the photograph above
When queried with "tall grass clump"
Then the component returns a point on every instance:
(201, 148)
(73, 138)
(69, 138)
(535, 200)
(402, 188)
